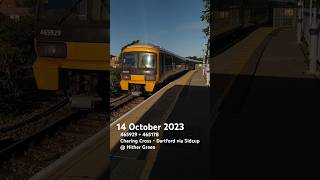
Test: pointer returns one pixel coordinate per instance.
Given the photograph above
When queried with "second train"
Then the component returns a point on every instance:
(146, 66)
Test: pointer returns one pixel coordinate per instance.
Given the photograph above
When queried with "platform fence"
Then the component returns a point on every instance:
(308, 18)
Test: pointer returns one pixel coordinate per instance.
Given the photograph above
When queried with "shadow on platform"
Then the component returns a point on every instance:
(267, 127)
(187, 161)
(173, 161)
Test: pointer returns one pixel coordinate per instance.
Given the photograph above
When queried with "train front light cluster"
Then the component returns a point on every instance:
(125, 76)
(57, 50)
(150, 77)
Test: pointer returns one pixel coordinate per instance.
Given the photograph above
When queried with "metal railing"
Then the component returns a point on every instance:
(284, 17)
(308, 32)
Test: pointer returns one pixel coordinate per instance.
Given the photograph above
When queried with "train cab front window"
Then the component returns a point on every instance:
(139, 60)
(72, 11)
(129, 60)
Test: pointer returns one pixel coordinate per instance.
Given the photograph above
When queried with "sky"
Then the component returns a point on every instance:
(172, 24)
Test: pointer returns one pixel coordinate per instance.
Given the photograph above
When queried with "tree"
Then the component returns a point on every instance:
(205, 17)
(17, 55)
(194, 58)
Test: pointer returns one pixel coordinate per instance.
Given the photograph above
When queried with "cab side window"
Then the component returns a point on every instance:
(168, 62)
(174, 62)
(161, 63)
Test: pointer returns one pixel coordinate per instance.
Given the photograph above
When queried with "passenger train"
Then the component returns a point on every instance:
(72, 45)
(145, 66)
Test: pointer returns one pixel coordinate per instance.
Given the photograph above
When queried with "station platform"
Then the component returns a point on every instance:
(187, 102)
(187, 161)
(264, 109)
(100, 157)
(258, 119)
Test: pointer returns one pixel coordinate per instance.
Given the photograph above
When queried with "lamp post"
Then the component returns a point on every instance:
(310, 12)
(314, 38)
(300, 20)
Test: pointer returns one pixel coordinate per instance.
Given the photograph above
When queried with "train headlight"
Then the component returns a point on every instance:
(57, 50)
(150, 77)
(125, 76)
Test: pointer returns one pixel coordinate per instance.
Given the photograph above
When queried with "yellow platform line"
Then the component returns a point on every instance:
(153, 154)
(136, 114)
(234, 59)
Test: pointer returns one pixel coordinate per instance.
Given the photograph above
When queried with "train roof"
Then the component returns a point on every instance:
(149, 45)
(145, 45)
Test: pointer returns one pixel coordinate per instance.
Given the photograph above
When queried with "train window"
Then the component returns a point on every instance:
(222, 14)
(165, 62)
(139, 60)
(129, 60)
(161, 63)
(98, 10)
(168, 62)
(178, 63)
(173, 62)
(147, 60)
(73, 11)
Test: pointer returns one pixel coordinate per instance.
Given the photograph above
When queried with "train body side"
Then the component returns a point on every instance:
(167, 63)
(80, 57)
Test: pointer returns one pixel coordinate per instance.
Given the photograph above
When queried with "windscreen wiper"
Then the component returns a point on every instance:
(70, 11)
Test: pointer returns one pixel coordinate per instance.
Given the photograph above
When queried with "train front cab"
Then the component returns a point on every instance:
(72, 45)
(140, 69)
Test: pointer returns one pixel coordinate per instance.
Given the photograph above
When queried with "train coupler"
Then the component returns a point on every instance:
(85, 102)
(136, 93)
(136, 89)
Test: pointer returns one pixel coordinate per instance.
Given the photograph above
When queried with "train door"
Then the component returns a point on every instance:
(173, 63)
(161, 64)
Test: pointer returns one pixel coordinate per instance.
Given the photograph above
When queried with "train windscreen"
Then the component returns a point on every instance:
(139, 60)
(72, 11)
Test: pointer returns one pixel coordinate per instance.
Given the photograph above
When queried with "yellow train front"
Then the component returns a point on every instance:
(72, 45)
(145, 66)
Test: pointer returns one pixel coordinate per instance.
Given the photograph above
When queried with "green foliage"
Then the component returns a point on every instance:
(115, 81)
(16, 58)
(195, 58)
(18, 36)
(205, 17)
(115, 76)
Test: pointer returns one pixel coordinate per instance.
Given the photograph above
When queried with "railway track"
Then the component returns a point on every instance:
(23, 157)
(116, 103)
(12, 133)
(123, 104)
(37, 117)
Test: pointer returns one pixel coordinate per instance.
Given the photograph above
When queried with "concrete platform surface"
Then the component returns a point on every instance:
(187, 161)
(267, 127)
(140, 161)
